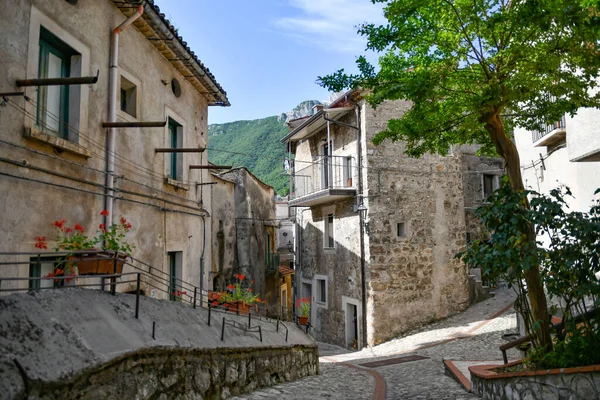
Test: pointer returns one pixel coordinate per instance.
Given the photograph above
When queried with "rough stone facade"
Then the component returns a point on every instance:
(45, 178)
(552, 386)
(248, 235)
(416, 220)
(175, 373)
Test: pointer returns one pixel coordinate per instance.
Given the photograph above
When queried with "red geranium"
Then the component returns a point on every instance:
(104, 212)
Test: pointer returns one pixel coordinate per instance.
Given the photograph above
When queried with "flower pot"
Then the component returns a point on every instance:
(238, 307)
(99, 263)
(302, 320)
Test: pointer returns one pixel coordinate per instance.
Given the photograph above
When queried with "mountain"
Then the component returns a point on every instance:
(255, 144)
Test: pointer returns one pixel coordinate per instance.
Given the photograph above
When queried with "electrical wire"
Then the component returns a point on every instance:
(24, 112)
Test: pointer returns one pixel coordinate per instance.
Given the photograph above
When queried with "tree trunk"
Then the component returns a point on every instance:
(535, 289)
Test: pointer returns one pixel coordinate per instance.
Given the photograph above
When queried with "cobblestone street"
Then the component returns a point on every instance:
(474, 334)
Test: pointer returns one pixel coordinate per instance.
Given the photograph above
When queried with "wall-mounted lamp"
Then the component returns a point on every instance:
(290, 246)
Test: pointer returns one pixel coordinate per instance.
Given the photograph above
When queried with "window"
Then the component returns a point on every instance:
(39, 270)
(347, 172)
(489, 185)
(400, 229)
(326, 165)
(321, 286)
(53, 101)
(328, 239)
(128, 97)
(175, 160)
(174, 259)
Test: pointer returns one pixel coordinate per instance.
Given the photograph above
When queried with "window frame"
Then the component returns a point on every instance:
(175, 141)
(404, 231)
(329, 231)
(49, 43)
(320, 282)
(483, 184)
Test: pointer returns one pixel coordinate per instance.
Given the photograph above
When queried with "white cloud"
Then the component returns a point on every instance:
(331, 24)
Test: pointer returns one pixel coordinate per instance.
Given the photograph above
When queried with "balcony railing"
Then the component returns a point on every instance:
(327, 172)
(547, 129)
(272, 263)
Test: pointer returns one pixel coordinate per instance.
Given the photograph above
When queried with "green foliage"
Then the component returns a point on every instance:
(466, 63)
(258, 145)
(569, 259)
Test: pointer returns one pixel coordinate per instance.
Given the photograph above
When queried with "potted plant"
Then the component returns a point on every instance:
(303, 306)
(239, 298)
(111, 238)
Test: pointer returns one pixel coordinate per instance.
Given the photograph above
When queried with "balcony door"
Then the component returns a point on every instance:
(326, 166)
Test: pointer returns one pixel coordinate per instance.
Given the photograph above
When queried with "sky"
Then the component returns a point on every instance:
(267, 54)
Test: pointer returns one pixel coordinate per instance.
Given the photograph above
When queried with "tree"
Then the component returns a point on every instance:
(474, 69)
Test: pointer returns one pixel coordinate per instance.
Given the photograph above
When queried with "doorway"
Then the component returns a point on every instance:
(351, 326)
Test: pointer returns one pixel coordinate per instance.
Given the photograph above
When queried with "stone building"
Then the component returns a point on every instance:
(245, 226)
(378, 230)
(58, 160)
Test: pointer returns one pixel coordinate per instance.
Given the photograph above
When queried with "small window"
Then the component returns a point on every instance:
(39, 269)
(401, 229)
(489, 185)
(322, 287)
(175, 160)
(328, 238)
(53, 101)
(128, 97)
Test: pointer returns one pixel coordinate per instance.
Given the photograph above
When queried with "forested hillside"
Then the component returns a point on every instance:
(259, 147)
(256, 144)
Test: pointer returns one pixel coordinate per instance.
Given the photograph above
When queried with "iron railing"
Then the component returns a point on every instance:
(548, 128)
(136, 277)
(333, 172)
(273, 261)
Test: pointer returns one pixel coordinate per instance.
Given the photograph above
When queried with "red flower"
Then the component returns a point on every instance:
(230, 286)
(104, 212)
(185, 293)
(237, 276)
(59, 224)
(68, 230)
(102, 226)
(252, 282)
(78, 228)
(128, 226)
(241, 277)
(123, 220)
(41, 242)
(249, 290)
(214, 303)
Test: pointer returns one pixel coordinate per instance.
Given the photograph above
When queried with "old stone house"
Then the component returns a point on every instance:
(378, 230)
(245, 236)
(58, 158)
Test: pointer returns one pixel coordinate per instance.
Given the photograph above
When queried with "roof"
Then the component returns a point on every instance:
(340, 107)
(249, 173)
(164, 37)
(283, 270)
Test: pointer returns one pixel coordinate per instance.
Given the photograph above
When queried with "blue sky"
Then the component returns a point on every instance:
(267, 54)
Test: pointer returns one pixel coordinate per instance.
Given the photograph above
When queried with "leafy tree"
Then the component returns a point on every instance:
(473, 69)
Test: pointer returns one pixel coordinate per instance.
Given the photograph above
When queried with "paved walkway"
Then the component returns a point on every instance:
(474, 334)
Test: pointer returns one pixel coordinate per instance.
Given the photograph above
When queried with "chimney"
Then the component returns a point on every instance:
(317, 108)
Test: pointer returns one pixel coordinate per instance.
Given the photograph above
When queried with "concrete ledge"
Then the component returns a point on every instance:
(490, 382)
(73, 148)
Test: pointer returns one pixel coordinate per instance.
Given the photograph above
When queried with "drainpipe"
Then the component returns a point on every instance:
(363, 279)
(113, 82)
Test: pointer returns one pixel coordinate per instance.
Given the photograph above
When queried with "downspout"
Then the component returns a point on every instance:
(363, 280)
(112, 112)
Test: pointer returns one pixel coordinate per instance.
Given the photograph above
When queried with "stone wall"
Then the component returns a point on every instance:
(559, 384)
(413, 279)
(176, 373)
(224, 260)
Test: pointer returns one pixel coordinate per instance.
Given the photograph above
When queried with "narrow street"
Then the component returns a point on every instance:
(474, 334)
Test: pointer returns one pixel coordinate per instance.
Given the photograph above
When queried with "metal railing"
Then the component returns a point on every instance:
(273, 261)
(548, 128)
(332, 172)
(135, 277)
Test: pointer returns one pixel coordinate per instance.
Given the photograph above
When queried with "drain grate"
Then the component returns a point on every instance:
(392, 361)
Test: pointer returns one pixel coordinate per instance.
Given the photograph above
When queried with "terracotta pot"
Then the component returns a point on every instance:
(238, 306)
(99, 263)
(303, 320)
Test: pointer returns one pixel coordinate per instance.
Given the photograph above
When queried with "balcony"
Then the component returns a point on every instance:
(551, 134)
(327, 179)
(272, 263)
